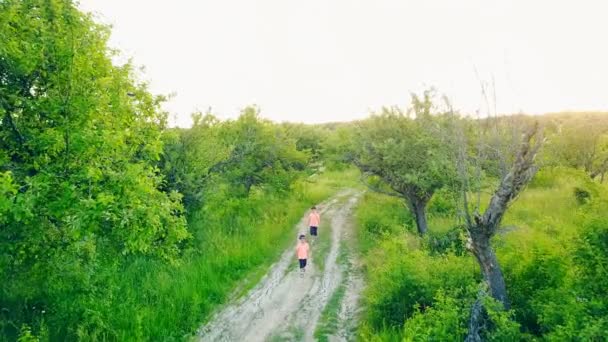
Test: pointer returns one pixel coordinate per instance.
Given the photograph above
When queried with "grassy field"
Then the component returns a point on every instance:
(419, 288)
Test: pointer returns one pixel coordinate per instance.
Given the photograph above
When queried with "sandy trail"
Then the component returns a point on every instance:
(284, 306)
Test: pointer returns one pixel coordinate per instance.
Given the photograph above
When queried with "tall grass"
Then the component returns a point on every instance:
(235, 242)
(417, 291)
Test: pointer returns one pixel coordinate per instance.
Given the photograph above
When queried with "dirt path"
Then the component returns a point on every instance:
(286, 307)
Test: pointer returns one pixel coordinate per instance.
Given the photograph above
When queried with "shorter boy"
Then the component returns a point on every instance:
(302, 253)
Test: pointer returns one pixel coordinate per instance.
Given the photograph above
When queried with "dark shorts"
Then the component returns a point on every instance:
(313, 231)
(302, 263)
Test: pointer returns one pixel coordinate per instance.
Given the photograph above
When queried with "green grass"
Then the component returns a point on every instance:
(235, 242)
(291, 335)
(320, 248)
(535, 252)
(328, 323)
(329, 320)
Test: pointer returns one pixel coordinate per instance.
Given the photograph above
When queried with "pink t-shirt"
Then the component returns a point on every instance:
(302, 250)
(314, 219)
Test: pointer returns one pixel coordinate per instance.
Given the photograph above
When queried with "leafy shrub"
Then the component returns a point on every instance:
(501, 326)
(446, 320)
(554, 260)
(582, 196)
(452, 240)
(531, 278)
(591, 257)
(403, 280)
(442, 203)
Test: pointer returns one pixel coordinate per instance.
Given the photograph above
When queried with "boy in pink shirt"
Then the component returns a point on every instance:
(302, 253)
(314, 220)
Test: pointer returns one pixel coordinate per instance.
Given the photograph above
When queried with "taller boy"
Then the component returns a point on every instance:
(314, 220)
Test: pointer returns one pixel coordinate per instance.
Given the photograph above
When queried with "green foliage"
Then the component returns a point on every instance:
(94, 243)
(443, 204)
(579, 141)
(233, 155)
(190, 154)
(233, 246)
(403, 282)
(405, 153)
(444, 321)
(80, 138)
(582, 195)
(380, 216)
(337, 147)
(408, 153)
(308, 138)
(452, 240)
(501, 326)
(552, 250)
(261, 154)
(403, 278)
(592, 253)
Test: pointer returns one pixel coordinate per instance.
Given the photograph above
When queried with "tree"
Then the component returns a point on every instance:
(261, 153)
(189, 156)
(581, 141)
(481, 227)
(406, 151)
(308, 138)
(79, 141)
(337, 147)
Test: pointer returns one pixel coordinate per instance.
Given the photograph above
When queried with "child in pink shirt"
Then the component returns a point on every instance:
(302, 253)
(314, 220)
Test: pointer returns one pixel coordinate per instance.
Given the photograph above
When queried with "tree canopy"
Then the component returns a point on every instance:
(79, 141)
(407, 152)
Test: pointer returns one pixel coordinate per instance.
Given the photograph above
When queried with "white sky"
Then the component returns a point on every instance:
(335, 60)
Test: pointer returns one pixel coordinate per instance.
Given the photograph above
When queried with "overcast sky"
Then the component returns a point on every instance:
(334, 60)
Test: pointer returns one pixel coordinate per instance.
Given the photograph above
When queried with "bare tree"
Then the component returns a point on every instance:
(514, 153)
(481, 227)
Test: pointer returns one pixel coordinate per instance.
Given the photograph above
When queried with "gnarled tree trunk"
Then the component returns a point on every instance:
(418, 207)
(482, 228)
(477, 320)
(490, 269)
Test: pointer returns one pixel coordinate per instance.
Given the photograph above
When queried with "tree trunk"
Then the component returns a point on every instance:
(490, 269)
(417, 206)
(477, 320)
(419, 211)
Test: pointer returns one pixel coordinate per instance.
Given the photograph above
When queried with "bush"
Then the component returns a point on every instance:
(582, 196)
(501, 326)
(591, 259)
(446, 320)
(403, 280)
(453, 240)
(442, 203)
